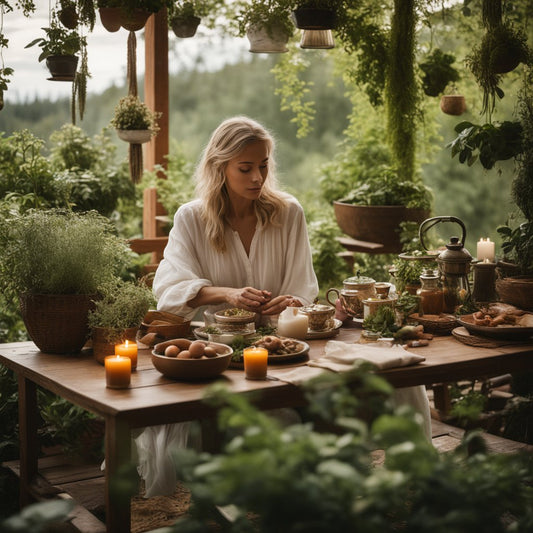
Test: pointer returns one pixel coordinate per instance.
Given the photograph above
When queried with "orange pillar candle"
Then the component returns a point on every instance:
(128, 349)
(117, 371)
(255, 362)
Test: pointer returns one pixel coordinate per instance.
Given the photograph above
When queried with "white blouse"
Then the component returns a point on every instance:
(280, 260)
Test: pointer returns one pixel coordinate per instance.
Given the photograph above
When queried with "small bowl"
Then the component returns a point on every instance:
(167, 326)
(227, 337)
(243, 316)
(194, 369)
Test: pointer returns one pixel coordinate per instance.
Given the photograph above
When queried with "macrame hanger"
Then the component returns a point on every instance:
(135, 150)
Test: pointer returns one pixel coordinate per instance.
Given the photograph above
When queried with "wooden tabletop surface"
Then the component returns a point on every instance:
(154, 399)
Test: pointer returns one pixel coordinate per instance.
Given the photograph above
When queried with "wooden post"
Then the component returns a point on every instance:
(156, 98)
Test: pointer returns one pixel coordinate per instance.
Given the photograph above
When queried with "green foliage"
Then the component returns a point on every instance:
(299, 479)
(86, 167)
(517, 245)
(274, 13)
(383, 321)
(133, 114)
(490, 142)
(58, 252)
(467, 407)
(407, 272)
(122, 305)
(294, 91)
(38, 517)
(58, 41)
(438, 72)
(330, 269)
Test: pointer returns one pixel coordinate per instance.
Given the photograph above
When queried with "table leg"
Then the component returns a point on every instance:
(29, 445)
(442, 398)
(117, 455)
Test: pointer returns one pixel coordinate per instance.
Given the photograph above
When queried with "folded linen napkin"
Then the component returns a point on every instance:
(340, 357)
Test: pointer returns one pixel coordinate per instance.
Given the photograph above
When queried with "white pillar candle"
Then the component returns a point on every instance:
(485, 250)
(292, 323)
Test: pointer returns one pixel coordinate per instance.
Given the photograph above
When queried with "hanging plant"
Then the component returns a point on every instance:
(133, 115)
(67, 14)
(438, 72)
(5, 72)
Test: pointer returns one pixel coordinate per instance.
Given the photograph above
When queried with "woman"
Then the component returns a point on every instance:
(242, 242)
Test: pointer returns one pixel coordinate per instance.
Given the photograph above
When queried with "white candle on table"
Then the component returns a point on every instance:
(292, 323)
(485, 250)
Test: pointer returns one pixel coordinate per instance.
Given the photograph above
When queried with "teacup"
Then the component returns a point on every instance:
(351, 301)
(321, 317)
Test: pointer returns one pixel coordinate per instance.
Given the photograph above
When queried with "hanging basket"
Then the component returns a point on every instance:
(57, 323)
(62, 68)
(185, 27)
(453, 104)
(135, 19)
(135, 136)
(110, 18)
(68, 17)
(315, 19)
(101, 345)
(263, 41)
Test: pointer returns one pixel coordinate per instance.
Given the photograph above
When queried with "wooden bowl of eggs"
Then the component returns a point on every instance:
(191, 360)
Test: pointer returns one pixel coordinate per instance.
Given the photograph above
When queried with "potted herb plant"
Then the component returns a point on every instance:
(118, 312)
(267, 25)
(134, 121)
(59, 49)
(55, 261)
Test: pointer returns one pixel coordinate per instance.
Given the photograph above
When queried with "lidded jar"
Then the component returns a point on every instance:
(431, 293)
(355, 290)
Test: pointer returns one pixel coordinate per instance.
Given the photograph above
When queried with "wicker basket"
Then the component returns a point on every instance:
(57, 323)
(437, 324)
(517, 291)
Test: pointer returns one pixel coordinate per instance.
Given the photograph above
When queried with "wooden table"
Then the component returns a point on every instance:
(153, 399)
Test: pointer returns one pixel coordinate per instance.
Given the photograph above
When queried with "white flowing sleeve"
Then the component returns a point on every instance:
(300, 279)
(179, 276)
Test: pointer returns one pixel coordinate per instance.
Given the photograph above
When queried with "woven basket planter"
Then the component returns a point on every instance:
(57, 323)
(517, 291)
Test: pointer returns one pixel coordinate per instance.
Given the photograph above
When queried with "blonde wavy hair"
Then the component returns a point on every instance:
(227, 142)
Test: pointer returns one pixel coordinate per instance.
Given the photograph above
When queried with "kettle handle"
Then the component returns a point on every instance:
(425, 226)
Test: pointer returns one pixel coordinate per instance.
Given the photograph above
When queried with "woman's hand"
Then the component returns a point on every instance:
(278, 304)
(248, 298)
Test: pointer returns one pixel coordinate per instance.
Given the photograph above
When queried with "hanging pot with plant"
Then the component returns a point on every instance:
(110, 18)
(453, 104)
(67, 14)
(184, 20)
(438, 72)
(316, 15)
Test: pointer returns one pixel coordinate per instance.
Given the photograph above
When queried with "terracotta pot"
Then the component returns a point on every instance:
(264, 42)
(62, 68)
(135, 136)
(185, 27)
(101, 345)
(57, 323)
(135, 19)
(315, 19)
(377, 224)
(453, 104)
(110, 18)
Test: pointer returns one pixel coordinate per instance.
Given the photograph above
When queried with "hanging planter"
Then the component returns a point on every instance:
(110, 18)
(317, 40)
(62, 68)
(67, 14)
(307, 18)
(267, 40)
(453, 104)
(135, 19)
(135, 136)
(185, 26)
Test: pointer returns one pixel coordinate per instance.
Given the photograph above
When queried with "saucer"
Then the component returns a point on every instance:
(325, 334)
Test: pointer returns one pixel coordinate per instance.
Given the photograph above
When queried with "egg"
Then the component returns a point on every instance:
(197, 349)
(209, 351)
(172, 351)
(184, 354)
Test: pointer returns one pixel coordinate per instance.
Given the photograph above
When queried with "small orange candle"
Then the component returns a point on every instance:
(117, 371)
(255, 362)
(128, 349)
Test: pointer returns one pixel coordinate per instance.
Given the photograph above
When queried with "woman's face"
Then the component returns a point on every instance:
(246, 173)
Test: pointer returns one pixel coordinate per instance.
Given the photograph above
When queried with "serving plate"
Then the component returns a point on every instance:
(497, 332)
(327, 333)
(280, 358)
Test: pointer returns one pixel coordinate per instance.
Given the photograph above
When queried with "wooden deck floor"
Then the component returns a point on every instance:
(85, 485)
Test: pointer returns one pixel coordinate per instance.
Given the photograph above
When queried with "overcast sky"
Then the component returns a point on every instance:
(107, 54)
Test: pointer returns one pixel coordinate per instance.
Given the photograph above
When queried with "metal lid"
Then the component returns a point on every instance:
(454, 253)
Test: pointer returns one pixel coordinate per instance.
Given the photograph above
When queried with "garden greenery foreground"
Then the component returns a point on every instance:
(354, 464)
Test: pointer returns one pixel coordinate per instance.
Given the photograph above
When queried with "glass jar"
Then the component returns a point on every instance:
(431, 293)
